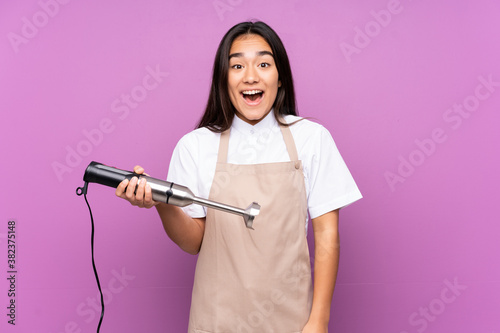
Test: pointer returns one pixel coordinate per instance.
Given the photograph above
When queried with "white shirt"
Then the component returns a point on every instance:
(329, 184)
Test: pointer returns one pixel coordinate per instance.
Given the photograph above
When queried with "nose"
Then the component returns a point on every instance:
(251, 75)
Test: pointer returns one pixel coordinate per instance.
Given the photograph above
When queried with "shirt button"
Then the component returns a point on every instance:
(297, 165)
(252, 131)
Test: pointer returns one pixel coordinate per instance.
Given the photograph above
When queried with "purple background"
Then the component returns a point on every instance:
(382, 93)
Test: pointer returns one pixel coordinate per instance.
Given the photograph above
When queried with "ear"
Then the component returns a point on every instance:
(279, 84)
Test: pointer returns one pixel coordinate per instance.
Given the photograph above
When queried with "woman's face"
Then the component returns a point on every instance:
(253, 78)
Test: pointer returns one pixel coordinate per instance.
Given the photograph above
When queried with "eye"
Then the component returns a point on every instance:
(264, 65)
(236, 66)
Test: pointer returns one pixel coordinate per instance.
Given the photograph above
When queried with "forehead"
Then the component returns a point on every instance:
(249, 44)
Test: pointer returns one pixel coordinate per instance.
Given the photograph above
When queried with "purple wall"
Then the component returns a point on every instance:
(409, 89)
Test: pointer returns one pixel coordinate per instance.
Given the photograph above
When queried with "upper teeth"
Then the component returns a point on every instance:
(252, 92)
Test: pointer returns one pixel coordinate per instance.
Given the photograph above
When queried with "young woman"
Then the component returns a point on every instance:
(250, 145)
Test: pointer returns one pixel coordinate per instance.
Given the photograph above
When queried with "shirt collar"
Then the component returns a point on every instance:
(242, 126)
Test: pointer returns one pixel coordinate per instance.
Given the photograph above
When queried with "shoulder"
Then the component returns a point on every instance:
(306, 130)
(303, 124)
(192, 150)
(196, 146)
(198, 137)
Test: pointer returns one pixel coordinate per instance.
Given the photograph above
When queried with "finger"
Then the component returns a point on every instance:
(139, 193)
(120, 189)
(148, 197)
(131, 189)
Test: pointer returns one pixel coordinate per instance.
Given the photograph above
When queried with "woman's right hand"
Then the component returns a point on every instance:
(142, 197)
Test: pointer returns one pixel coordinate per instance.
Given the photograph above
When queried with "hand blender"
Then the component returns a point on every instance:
(162, 191)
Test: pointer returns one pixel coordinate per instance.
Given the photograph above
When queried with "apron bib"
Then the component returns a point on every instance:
(254, 281)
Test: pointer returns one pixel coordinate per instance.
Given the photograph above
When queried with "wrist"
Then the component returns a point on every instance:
(320, 317)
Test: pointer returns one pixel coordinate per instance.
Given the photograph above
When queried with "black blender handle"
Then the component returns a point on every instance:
(106, 175)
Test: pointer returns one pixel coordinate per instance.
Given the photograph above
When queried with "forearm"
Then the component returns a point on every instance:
(326, 260)
(183, 230)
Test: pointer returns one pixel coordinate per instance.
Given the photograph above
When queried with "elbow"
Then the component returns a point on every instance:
(194, 250)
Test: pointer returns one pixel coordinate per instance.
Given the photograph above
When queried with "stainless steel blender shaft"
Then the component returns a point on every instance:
(182, 196)
(248, 214)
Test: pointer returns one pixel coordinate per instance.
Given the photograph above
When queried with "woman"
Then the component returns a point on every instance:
(250, 145)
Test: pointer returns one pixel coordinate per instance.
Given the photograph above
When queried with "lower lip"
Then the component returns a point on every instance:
(253, 103)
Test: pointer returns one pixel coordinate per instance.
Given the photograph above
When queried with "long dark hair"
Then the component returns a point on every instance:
(219, 112)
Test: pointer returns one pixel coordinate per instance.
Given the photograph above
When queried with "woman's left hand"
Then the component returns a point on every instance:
(312, 327)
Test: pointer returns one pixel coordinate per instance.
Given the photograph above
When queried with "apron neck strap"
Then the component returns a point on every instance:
(289, 142)
(287, 137)
(223, 146)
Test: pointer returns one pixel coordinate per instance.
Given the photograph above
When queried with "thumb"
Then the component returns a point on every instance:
(139, 170)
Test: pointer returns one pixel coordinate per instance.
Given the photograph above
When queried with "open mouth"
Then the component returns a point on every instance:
(252, 97)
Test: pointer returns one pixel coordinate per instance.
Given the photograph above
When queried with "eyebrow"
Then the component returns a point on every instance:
(260, 53)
